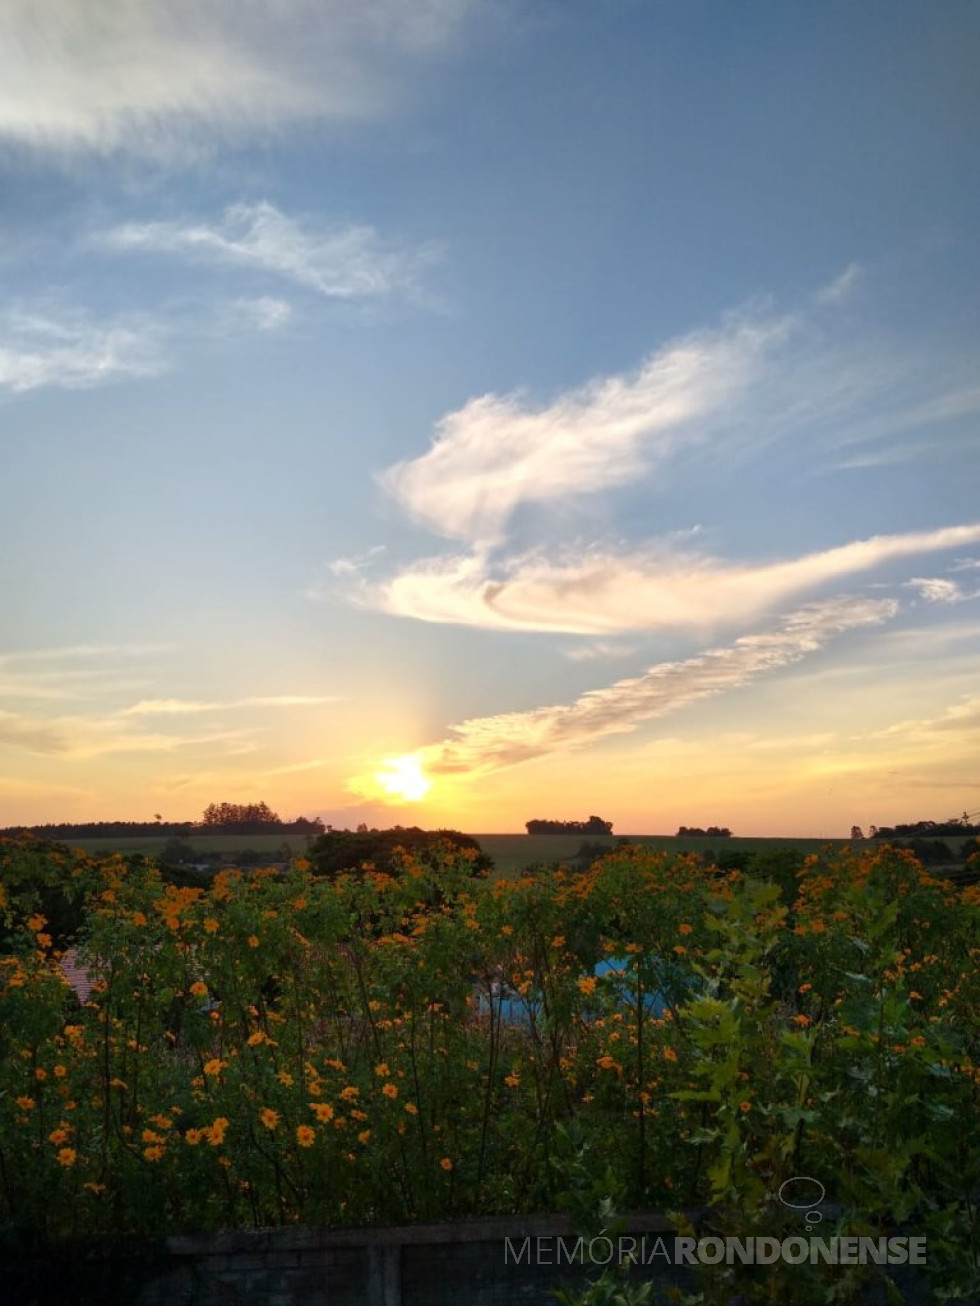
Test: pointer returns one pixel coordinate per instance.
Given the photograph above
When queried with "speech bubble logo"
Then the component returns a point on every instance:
(802, 1192)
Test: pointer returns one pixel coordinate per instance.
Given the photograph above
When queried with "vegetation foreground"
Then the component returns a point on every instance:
(368, 1046)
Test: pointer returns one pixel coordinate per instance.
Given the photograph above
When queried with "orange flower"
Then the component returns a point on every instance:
(413, 1110)
(255, 1039)
(670, 1054)
(269, 1117)
(210, 925)
(216, 1133)
(305, 1136)
(350, 1093)
(382, 1069)
(214, 1066)
(67, 1157)
(745, 1106)
(40, 1074)
(446, 1163)
(364, 1136)
(322, 1110)
(153, 1153)
(199, 989)
(802, 1021)
(253, 941)
(587, 984)
(58, 1135)
(684, 928)
(390, 1090)
(25, 1103)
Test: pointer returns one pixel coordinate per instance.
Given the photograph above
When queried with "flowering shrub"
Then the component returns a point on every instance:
(282, 1047)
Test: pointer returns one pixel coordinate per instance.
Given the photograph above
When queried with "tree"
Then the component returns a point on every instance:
(240, 818)
(856, 832)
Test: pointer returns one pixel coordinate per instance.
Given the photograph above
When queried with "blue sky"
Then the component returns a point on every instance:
(577, 401)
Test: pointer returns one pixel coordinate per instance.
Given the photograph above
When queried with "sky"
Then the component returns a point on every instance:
(459, 412)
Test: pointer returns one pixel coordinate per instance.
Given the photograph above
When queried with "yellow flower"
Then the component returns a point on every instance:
(96, 1189)
(210, 925)
(60, 1072)
(305, 1136)
(322, 1110)
(153, 1153)
(138, 919)
(411, 1108)
(253, 941)
(670, 1054)
(67, 1157)
(512, 1081)
(382, 1069)
(214, 1066)
(364, 1136)
(58, 1135)
(285, 1078)
(36, 923)
(390, 1090)
(25, 1103)
(258, 1037)
(194, 1136)
(684, 928)
(350, 1093)
(40, 1074)
(216, 1133)
(587, 984)
(446, 1163)
(269, 1117)
(745, 1106)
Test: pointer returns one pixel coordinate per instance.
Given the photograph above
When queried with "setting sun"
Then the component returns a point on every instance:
(404, 778)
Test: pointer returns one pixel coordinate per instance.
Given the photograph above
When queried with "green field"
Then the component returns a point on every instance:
(202, 843)
(511, 853)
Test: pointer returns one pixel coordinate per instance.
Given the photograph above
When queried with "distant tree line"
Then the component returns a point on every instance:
(695, 831)
(218, 818)
(925, 829)
(594, 825)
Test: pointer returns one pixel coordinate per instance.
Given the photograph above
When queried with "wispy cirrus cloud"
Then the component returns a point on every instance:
(842, 286)
(74, 352)
(490, 743)
(342, 261)
(939, 589)
(499, 452)
(184, 706)
(176, 77)
(656, 588)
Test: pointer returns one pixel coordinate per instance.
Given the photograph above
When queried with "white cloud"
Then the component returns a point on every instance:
(841, 287)
(489, 743)
(168, 75)
(265, 312)
(182, 706)
(936, 590)
(73, 352)
(497, 453)
(603, 593)
(604, 650)
(341, 262)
